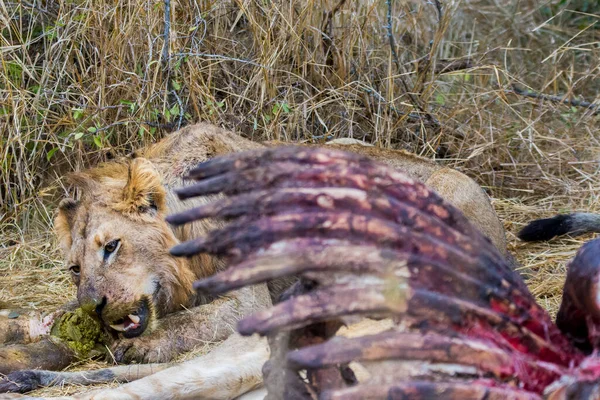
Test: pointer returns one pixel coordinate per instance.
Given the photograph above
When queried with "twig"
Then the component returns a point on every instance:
(167, 32)
(444, 66)
(429, 60)
(224, 58)
(438, 7)
(401, 71)
(329, 16)
(327, 32)
(168, 126)
(180, 103)
(555, 99)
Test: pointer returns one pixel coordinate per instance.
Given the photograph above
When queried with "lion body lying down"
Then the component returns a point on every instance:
(117, 243)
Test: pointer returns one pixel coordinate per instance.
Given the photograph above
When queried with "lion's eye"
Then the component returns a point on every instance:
(75, 269)
(111, 246)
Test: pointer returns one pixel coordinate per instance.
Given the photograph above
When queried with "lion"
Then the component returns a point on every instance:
(116, 244)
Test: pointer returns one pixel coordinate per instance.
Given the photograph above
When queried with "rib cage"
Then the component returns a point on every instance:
(368, 241)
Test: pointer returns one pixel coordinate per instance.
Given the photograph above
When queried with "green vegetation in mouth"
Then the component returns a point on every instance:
(80, 332)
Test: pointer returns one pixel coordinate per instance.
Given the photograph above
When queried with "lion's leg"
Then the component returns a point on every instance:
(46, 354)
(28, 380)
(258, 394)
(30, 342)
(228, 371)
(183, 331)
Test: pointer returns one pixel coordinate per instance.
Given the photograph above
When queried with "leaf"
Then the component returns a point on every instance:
(13, 315)
(51, 153)
(285, 108)
(176, 85)
(77, 113)
(92, 129)
(131, 105)
(78, 136)
(175, 110)
(141, 131)
(98, 141)
(440, 99)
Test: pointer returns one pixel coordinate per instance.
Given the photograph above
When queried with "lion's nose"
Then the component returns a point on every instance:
(94, 305)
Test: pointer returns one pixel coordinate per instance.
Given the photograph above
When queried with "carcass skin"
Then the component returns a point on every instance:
(369, 242)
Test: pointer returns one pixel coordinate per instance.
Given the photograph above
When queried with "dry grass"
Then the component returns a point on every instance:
(85, 80)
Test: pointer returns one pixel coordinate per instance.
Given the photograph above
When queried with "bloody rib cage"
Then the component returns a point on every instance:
(366, 241)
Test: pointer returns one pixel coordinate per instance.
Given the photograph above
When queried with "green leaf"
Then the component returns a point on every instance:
(176, 85)
(175, 110)
(77, 113)
(92, 129)
(285, 108)
(440, 99)
(51, 153)
(98, 141)
(78, 136)
(141, 131)
(131, 105)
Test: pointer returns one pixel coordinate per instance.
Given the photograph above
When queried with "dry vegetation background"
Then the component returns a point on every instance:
(503, 90)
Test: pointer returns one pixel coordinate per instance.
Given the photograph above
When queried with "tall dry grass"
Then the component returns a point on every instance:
(481, 84)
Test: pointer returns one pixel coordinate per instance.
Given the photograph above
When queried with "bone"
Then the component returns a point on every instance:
(367, 241)
(431, 347)
(328, 303)
(423, 390)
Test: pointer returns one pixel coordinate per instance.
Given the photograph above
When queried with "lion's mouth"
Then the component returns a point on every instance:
(134, 324)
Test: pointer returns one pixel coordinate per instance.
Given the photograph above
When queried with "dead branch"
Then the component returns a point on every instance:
(555, 99)
(401, 72)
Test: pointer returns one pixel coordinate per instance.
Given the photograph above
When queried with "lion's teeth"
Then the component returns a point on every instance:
(134, 318)
(120, 327)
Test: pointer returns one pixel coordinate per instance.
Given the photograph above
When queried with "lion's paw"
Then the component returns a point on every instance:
(142, 350)
(21, 381)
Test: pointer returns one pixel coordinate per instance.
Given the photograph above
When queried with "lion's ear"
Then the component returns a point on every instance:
(144, 191)
(63, 222)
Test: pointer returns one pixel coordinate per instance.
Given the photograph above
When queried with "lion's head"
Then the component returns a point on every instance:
(117, 243)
